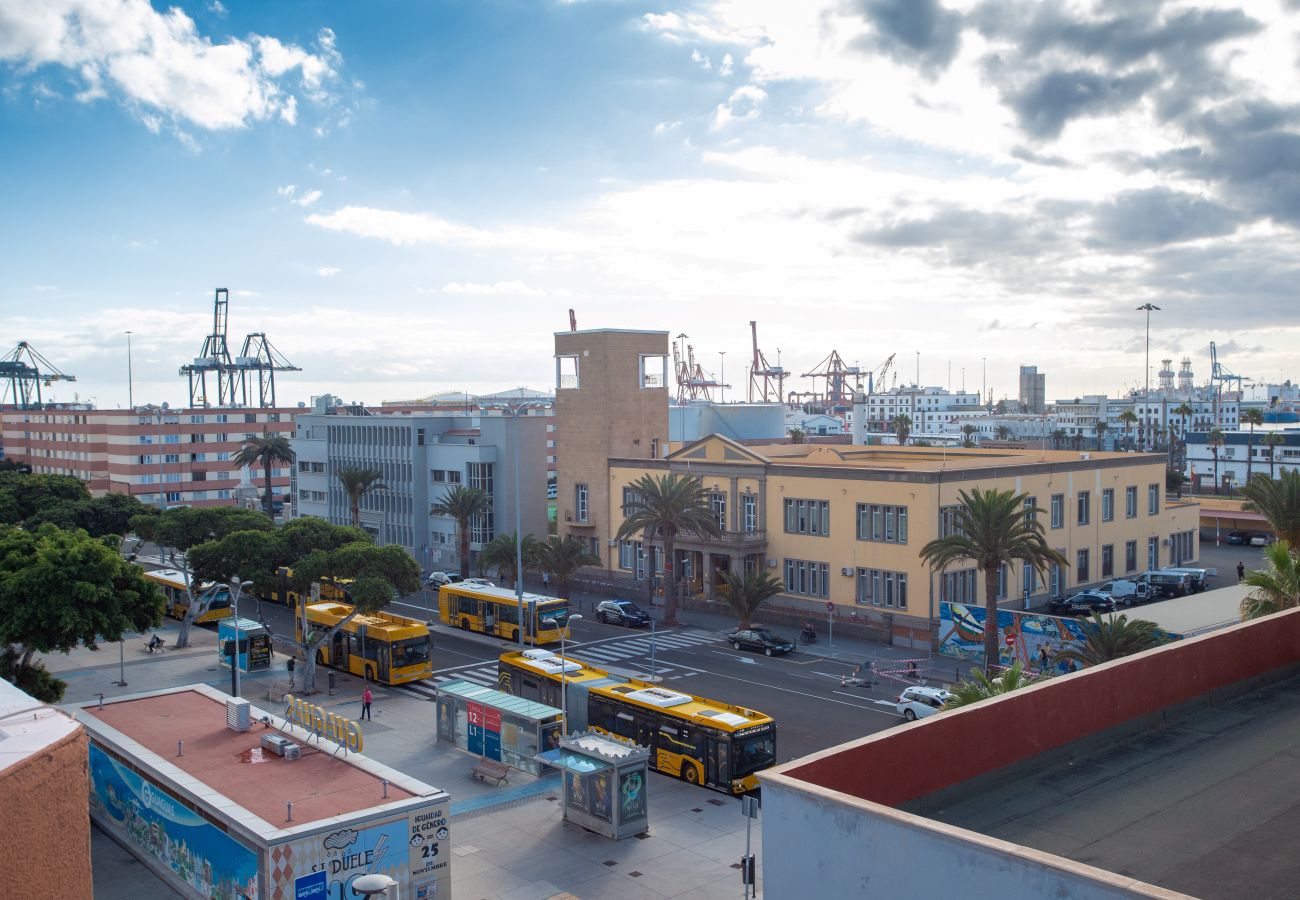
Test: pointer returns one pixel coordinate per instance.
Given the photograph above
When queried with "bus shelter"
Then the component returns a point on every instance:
(254, 641)
(604, 783)
(497, 725)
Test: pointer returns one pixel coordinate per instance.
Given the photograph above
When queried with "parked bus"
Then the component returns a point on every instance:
(495, 611)
(213, 599)
(284, 594)
(704, 742)
(378, 646)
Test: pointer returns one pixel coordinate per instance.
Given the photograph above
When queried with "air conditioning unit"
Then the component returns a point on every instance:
(1165, 542)
(281, 746)
(613, 543)
(846, 571)
(238, 714)
(771, 564)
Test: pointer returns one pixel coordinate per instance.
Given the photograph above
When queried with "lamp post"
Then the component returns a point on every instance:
(722, 376)
(515, 410)
(564, 677)
(1148, 308)
(237, 588)
(130, 381)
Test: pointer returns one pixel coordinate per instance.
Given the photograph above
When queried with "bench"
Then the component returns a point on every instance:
(490, 769)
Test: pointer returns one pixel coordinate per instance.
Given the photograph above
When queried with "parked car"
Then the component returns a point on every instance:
(1260, 539)
(759, 639)
(918, 702)
(1125, 592)
(1198, 576)
(1238, 537)
(1166, 585)
(1084, 603)
(622, 612)
(438, 579)
(479, 582)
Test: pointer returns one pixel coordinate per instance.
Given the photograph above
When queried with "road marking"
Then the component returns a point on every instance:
(745, 659)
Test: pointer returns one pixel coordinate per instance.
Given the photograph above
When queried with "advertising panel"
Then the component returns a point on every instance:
(1031, 639)
(631, 796)
(158, 824)
(599, 785)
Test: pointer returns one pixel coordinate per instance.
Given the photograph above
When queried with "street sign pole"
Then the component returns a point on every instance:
(830, 626)
(749, 806)
(652, 645)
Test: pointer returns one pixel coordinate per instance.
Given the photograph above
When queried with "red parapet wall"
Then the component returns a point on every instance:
(915, 760)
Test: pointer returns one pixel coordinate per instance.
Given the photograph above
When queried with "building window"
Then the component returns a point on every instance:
(1153, 500)
(1153, 553)
(1085, 507)
(1108, 505)
(950, 521)
(482, 527)
(173, 496)
(1058, 510)
(1130, 556)
(1002, 581)
(878, 587)
(808, 517)
(438, 476)
(885, 524)
(628, 554)
(566, 372)
(1056, 578)
(580, 502)
(1081, 575)
(1107, 560)
(959, 587)
(1131, 502)
(632, 501)
(1031, 504)
(749, 512)
(453, 476)
(196, 420)
(811, 579)
(718, 504)
(1027, 575)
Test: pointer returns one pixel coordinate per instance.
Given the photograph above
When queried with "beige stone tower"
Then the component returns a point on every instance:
(611, 400)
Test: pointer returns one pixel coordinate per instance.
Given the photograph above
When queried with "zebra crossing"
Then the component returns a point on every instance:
(604, 653)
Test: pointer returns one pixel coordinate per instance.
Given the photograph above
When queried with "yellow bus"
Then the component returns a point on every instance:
(213, 599)
(704, 742)
(378, 646)
(495, 611)
(282, 593)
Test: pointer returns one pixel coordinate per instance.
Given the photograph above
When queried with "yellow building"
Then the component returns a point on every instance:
(844, 525)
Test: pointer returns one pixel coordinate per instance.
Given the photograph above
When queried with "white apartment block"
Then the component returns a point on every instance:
(929, 408)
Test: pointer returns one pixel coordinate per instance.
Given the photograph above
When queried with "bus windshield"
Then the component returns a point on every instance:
(754, 753)
(411, 652)
(553, 616)
(217, 597)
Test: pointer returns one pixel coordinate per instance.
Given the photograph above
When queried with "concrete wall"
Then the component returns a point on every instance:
(813, 843)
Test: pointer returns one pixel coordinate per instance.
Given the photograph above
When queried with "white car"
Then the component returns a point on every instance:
(918, 702)
(438, 579)
(1261, 540)
(478, 582)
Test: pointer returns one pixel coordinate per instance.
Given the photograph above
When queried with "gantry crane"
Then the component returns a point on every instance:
(25, 371)
(692, 381)
(257, 360)
(765, 380)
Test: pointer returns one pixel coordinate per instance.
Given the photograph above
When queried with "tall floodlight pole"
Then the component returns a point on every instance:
(722, 377)
(130, 380)
(515, 410)
(1148, 308)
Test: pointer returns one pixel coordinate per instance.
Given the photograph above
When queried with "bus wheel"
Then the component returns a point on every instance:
(690, 773)
(464, 624)
(320, 657)
(514, 637)
(370, 673)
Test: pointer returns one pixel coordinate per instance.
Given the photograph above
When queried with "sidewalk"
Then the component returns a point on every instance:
(508, 842)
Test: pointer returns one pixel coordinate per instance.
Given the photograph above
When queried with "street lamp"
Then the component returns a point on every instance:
(238, 587)
(374, 884)
(1148, 308)
(564, 676)
(722, 376)
(130, 381)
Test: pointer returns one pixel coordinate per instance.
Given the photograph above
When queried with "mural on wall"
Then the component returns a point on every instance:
(143, 814)
(1033, 638)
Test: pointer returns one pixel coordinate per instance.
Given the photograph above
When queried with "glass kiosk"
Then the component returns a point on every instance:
(492, 723)
(604, 783)
(254, 644)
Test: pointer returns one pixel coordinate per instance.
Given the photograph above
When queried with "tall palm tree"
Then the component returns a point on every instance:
(968, 435)
(797, 435)
(1003, 432)
(356, 481)
(1102, 428)
(747, 591)
(1110, 637)
(666, 507)
(462, 504)
(1186, 412)
(267, 450)
(993, 528)
(1279, 501)
(501, 554)
(561, 557)
(1251, 417)
(1058, 438)
(1275, 588)
(1129, 419)
(1216, 444)
(901, 425)
(1272, 441)
(983, 686)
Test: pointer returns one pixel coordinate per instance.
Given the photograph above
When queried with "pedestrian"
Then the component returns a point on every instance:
(1042, 658)
(1241, 571)
(366, 697)
(546, 582)
(290, 666)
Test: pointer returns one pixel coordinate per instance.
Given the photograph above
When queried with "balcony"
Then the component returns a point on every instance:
(749, 541)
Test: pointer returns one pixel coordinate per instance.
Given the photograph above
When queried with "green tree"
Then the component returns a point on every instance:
(1185, 412)
(356, 481)
(1128, 419)
(1216, 444)
(59, 589)
(797, 435)
(462, 504)
(1110, 637)
(747, 591)
(265, 451)
(1274, 588)
(901, 425)
(561, 558)
(33, 493)
(666, 506)
(500, 554)
(301, 536)
(1058, 438)
(1279, 501)
(982, 686)
(993, 528)
(968, 435)
(1003, 432)
(1101, 428)
(1174, 481)
(1251, 417)
(1272, 441)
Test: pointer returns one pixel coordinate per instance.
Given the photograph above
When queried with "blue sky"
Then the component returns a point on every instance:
(408, 197)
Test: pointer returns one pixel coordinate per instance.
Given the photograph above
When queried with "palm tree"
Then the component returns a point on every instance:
(1186, 412)
(356, 481)
(901, 425)
(1110, 637)
(1003, 432)
(1272, 441)
(1076, 440)
(1216, 443)
(993, 528)
(667, 506)
(502, 553)
(561, 557)
(1279, 501)
(1102, 428)
(1129, 419)
(968, 435)
(1251, 417)
(268, 450)
(1275, 588)
(797, 435)
(982, 686)
(1058, 438)
(462, 504)
(747, 591)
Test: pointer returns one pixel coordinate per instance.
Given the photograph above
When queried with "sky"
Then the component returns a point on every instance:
(409, 197)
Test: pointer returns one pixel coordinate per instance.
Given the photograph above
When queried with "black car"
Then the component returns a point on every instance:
(622, 612)
(759, 639)
(1084, 603)
(1238, 537)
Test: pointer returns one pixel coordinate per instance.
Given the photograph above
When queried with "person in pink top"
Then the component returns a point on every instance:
(366, 697)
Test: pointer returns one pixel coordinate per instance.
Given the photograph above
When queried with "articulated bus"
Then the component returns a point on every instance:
(284, 594)
(495, 611)
(213, 599)
(701, 741)
(378, 646)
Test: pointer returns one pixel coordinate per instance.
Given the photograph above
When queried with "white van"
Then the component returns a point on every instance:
(1125, 592)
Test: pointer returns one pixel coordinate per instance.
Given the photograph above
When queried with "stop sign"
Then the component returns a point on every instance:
(830, 607)
(1011, 640)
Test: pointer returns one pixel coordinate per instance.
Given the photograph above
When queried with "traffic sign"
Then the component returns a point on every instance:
(1011, 640)
(830, 607)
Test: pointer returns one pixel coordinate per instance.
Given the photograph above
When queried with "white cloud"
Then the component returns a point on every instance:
(727, 63)
(217, 8)
(403, 229)
(161, 66)
(678, 29)
(744, 103)
(328, 271)
(497, 288)
(665, 127)
(308, 198)
(701, 60)
(286, 190)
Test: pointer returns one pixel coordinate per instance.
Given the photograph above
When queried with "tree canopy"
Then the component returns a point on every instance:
(1279, 501)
